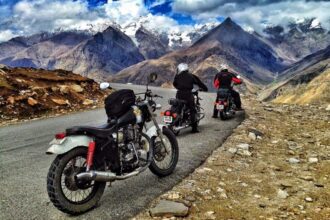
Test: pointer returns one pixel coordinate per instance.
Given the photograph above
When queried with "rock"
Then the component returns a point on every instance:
(11, 100)
(307, 178)
(190, 198)
(174, 195)
(88, 102)
(282, 194)
(328, 108)
(313, 160)
(169, 208)
(252, 136)
(286, 184)
(32, 101)
(64, 89)
(308, 199)
(76, 88)
(243, 146)
(210, 215)
(232, 150)
(274, 142)
(223, 195)
(244, 153)
(60, 101)
(256, 132)
(204, 169)
(318, 184)
(293, 160)
(262, 205)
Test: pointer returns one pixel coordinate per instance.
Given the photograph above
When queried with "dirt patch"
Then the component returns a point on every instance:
(276, 165)
(27, 93)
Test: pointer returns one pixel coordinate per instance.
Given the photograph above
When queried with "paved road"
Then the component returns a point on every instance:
(24, 165)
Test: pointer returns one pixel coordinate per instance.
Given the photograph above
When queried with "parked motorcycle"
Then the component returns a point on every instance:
(178, 116)
(88, 157)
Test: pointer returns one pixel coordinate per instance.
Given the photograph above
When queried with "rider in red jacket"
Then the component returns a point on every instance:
(225, 80)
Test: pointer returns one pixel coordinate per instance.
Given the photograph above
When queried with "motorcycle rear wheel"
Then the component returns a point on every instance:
(61, 184)
(160, 154)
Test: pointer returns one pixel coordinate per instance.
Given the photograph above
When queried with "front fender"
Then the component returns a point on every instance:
(68, 143)
(152, 132)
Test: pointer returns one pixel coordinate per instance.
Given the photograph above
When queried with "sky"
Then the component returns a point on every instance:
(27, 17)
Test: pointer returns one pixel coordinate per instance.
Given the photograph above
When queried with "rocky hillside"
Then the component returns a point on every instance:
(299, 39)
(39, 51)
(104, 54)
(275, 165)
(305, 82)
(228, 43)
(27, 93)
(150, 45)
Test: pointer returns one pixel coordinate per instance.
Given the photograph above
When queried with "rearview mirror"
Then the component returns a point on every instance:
(152, 77)
(104, 85)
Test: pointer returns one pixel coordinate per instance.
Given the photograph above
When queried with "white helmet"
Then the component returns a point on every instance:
(182, 67)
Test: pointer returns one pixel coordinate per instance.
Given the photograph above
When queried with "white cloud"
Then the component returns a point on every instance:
(256, 14)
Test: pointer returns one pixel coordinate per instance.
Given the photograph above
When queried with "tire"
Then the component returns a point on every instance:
(154, 167)
(54, 184)
(223, 116)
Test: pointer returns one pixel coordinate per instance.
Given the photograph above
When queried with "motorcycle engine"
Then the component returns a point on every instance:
(132, 149)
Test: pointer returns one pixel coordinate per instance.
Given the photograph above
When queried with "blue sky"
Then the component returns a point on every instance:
(26, 17)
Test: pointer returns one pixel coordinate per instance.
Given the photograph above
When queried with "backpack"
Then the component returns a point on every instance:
(119, 102)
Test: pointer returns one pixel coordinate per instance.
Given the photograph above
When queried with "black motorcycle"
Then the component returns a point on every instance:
(88, 157)
(225, 104)
(178, 116)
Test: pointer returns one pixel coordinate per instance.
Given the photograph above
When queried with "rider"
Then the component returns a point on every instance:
(184, 82)
(224, 80)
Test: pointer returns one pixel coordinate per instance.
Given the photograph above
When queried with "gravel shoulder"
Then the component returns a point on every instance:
(275, 165)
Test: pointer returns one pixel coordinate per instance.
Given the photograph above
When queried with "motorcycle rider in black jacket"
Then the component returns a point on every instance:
(184, 82)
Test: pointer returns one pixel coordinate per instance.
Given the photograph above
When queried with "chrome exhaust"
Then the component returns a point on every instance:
(103, 176)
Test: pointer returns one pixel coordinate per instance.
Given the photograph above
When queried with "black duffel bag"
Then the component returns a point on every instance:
(119, 102)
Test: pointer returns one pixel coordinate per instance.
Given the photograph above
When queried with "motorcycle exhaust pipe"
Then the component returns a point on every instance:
(181, 127)
(102, 176)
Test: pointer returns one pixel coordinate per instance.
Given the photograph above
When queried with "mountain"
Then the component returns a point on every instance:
(227, 43)
(298, 39)
(105, 53)
(308, 81)
(39, 50)
(150, 45)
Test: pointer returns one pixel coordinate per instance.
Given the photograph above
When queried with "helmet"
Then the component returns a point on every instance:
(224, 68)
(182, 67)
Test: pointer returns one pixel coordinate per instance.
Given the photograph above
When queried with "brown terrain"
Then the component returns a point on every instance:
(276, 165)
(27, 93)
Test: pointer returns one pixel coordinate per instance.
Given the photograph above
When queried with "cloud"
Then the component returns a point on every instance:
(256, 14)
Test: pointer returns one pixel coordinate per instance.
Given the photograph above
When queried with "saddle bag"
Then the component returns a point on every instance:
(119, 102)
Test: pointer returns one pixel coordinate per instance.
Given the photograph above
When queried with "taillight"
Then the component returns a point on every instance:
(225, 103)
(168, 113)
(60, 135)
(174, 115)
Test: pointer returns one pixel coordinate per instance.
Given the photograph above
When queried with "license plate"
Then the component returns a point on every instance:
(220, 107)
(168, 119)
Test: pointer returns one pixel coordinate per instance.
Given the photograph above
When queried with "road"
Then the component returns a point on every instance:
(24, 164)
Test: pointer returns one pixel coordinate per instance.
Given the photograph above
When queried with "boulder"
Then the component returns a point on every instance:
(32, 101)
(60, 101)
(11, 100)
(169, 208)
(88, 102)
(76, 88)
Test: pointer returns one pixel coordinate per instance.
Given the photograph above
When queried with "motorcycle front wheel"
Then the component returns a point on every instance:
(67, 194)
(165, 157)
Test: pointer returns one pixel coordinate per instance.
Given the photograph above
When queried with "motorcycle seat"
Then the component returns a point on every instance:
(102, 131)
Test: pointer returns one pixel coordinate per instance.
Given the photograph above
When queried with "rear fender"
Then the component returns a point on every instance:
(68, 143)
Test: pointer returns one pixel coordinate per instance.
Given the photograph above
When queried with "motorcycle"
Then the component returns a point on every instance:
(178, 116)
(89, 157)
(225, 103)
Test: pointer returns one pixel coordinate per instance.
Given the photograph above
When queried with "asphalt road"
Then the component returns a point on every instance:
(24, 164)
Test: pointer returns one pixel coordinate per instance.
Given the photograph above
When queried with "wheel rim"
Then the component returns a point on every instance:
(163, 158)
(73, 191)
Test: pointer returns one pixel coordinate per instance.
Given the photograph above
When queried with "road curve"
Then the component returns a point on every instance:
(24, 164)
